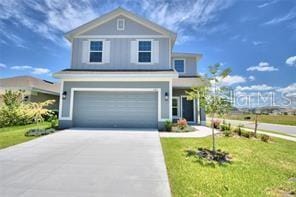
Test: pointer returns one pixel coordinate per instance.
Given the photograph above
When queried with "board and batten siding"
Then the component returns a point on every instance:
(120, 53)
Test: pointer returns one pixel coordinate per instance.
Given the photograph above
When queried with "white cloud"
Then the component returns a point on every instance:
(262, 87)
(291, 61)
(235, 79)
(267, 4)
(289, 88)
(61, 16)
(2, 65)
(16, 40)
(21, 67)
(39, 71)
(251, 78)
(262, 67)
(33, 70)
(289, 16)
(257, 43)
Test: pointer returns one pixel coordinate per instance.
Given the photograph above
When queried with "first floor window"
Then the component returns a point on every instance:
(179, 65)
(144, 51)
(175, 106)
(96, 51)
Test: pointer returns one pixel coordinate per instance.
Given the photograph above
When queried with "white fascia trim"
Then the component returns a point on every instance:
(122, 76)
(120, 36)
(109, 16)
(158, 90)
(118, 79)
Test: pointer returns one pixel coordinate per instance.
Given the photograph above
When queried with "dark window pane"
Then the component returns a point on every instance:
(179, 65)
(175, 102)
(144, 57)
(95, 57)
(96, 45)
(144, 45)
(175, 112)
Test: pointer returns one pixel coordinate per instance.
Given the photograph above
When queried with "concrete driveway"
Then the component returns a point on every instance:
(86, 163)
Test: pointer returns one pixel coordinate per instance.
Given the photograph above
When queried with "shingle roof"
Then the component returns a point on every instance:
(25, 82)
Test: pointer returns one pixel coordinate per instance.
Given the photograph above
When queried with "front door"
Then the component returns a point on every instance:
(188, 109)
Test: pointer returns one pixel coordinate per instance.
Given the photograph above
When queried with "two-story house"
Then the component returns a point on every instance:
(124, 74)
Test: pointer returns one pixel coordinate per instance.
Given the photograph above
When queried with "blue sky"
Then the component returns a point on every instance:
(257, 39)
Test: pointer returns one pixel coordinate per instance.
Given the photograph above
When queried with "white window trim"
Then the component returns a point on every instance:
(178, 106)
(123, 24)
(88, 57)
(194, 109)
(183, 59)
(151, 51)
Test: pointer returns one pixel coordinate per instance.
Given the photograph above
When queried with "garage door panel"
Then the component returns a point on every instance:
(115, 109)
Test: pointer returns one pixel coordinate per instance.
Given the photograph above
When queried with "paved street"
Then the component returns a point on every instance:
(291, 130)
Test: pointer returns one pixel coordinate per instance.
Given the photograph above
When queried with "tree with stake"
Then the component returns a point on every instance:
(212, 95)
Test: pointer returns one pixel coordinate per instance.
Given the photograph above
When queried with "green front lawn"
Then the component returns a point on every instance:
(258, 168)
(14, 135)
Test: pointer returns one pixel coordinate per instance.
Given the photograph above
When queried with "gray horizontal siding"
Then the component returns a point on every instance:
(131, 28)
(120, 55)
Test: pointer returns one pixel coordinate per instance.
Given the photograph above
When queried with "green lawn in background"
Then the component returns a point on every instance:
(258, 168)
(274, 119)
(14, 135)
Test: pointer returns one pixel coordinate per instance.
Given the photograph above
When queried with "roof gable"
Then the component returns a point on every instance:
(115, 13)
(110, 28)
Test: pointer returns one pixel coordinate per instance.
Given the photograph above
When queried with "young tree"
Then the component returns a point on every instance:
(213, 95)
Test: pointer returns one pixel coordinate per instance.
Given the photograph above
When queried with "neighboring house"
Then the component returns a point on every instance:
(124, 74)
(35, 90)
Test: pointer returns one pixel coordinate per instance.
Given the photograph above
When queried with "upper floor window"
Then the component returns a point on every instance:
(179, 65)
(120, 24)
(144, 51)
(96, 51)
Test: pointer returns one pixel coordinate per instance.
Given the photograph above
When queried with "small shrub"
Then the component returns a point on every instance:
(216, 123)
(220, 157)
(184, 130)
(39, 132)
(265, 138)
(246, 134)
(182, 123)
(228, 133)
(168, 125)
(238, 131)
(225, 127)
(54, 122)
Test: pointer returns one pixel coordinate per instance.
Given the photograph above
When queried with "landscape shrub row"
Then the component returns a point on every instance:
(229, 131)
